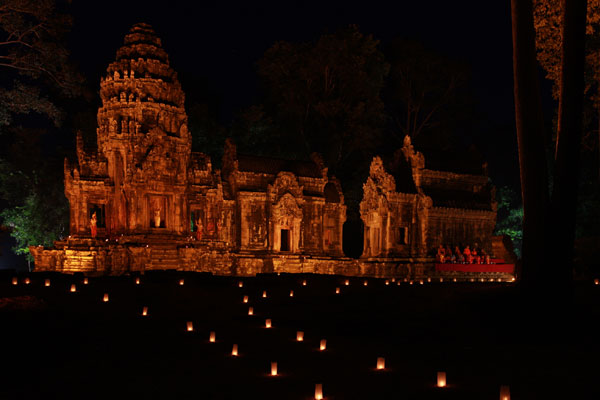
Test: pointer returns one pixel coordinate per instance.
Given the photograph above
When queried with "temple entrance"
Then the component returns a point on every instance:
(285, 240)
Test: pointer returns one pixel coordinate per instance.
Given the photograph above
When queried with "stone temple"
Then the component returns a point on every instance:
(142, 200)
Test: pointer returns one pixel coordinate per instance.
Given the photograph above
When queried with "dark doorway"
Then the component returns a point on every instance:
(285, 240)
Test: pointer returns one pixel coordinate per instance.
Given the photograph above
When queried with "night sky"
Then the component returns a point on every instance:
(214, 48)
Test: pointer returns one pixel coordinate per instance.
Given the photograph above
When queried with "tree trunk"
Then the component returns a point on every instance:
(530, 138)
(568, 142)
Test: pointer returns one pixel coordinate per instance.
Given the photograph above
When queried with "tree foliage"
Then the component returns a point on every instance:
(510, 217)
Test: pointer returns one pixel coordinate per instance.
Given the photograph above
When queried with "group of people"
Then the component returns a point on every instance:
(467, 256)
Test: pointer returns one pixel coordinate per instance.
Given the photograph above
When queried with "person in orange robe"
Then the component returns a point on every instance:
(467, 254)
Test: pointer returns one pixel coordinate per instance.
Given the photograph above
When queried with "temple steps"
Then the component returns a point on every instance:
(164, 257)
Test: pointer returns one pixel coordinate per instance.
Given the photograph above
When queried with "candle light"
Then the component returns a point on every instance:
(137, 281)
(190, 326)
(441, 280)
(387, 282)
(398, 283)
(337, 290)
(380, 363)
(15, 281)
(428, 279)
(234, 350)
(393, 279)
(365, 282)
(85, 281)
(250, 311)
(299, 336)
(596, 281)
(347, 282)
(105, 298)
(319, 391)
(264, 293)
(323, 344)
(27, 281)
(411, 282)
(454, 280)
(181, 282)
(504, 393)
(245, 300)
(304, 282)
(421, 282)
(47, 282)
(241, 284)
(268, 323)
(212, 337)
(291, 293)
(145, 311)
(73, 288)
(273, 369)
(441, 379)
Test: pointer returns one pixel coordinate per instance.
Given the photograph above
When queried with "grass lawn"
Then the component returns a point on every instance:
(57, 344)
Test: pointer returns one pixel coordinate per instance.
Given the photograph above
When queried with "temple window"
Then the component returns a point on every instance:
(402, 237)
(285, 240)
(100, 216)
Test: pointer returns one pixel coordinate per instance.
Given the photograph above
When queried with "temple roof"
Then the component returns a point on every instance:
(142, 42)
(270, 165)
(453, 198)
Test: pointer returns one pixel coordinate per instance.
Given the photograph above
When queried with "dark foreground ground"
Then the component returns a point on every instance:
(59, 345)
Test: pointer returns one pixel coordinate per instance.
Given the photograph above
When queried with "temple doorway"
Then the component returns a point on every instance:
(285, 240)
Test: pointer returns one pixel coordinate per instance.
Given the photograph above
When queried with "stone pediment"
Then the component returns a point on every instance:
(285, 182)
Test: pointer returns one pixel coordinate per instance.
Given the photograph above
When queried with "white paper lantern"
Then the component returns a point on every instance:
(234, 350)
(190, 326)
(273, 369)
(323, 345)
(145, 311)
(85, 281)
(441, 379)
(264, 295)
(267, 323)
(73, 288)
(299, 336)
(380, 363)
(250, 311)
(241, 284)
(291, 293)
(15, 281)
(319, 391)
(47, 282)
(504, 393)
(105, 298)
(245, 299)
(137, 281)
(212, 337)
(181, 282)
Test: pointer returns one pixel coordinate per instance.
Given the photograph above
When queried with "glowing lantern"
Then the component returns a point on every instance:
(47, 282)
(105, 298)
(212, 337)
(85, 281)
(145, 311)
(380, 363)
(268, 323)
(323, 344)
(428, 279)
(405, 280)
(245, 300)
(250, 311)
(337, 290)
(304, 282)
(347, 282)
(299, 336)
(234, 350)
(365, 283)
(441, 280)
(441, 379)
(181, 282)
(596, 281)
(454, 280)
(512, 279)
(398, 283)
(319, 391)
(411, 282)
(393, 279)
(137, 281)
(27, 281)
(291, 293)
(190, 326)
(273, 369)
(472, 280)
(15, 281)
(504, 393)
(387, 282)
(264, 293)
(241, 284)
(421, 282)
(73, 288)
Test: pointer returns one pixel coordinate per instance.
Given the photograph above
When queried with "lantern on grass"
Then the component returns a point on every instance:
(347, 282)
(47, 282)
(145, 311)
(181, 282)
(250, 311)
(27, 281)
(299, 336)
(268, 323)
(504, 392)
(398, 283)
(421, 282)
(453, 279)
(291, 293)
(273, 369)
(304, 282)
(387, 282)
(137, 281)
(365, 282)
(429, 280)
(441, 280)
(85, 281)
(323, 345)
(411, 282)
(264, 294)
(245, 300)
(241, 284)
(393, 279)
(380, 363)
(234, 350)
(15, 281)
(212, 337)
(441, 379)
(596, 281)
(337, 290)
(190, 326)
(105, 298)
(319, 391)
(73, 288)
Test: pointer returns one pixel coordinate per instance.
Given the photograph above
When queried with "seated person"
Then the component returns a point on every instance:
(467, 254)
(474, 256)
(441, 252)
(453, 258)
(457, 253)
(460, 258)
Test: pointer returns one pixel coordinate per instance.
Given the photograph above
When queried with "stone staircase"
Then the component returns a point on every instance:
(164, 257)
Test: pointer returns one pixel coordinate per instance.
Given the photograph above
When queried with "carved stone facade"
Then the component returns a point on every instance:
(428, 209)
(143, 200)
